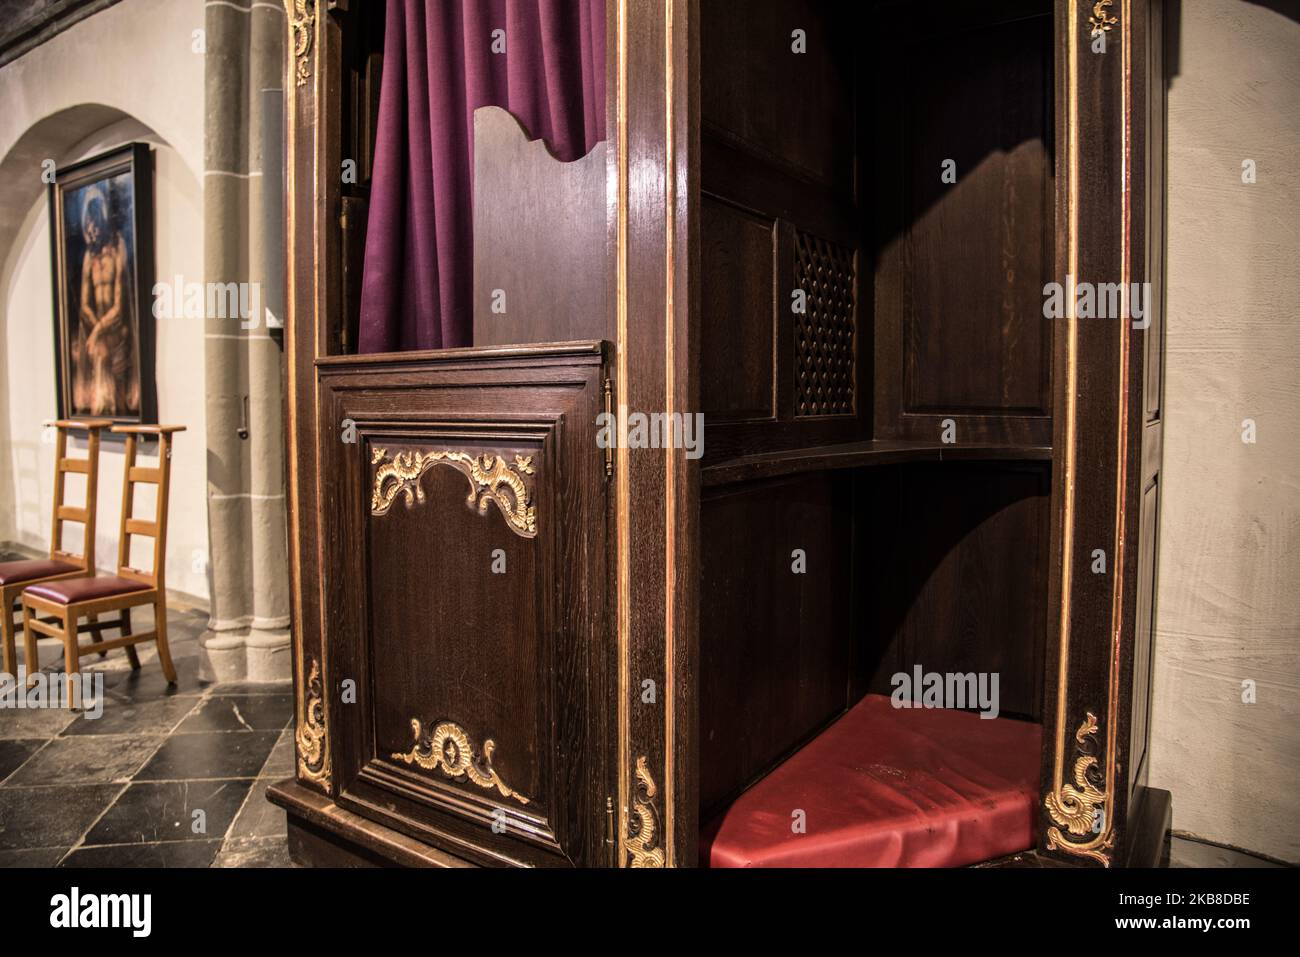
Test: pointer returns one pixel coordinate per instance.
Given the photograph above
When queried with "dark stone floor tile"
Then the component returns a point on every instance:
(171, 854)
(14, 752)
(259, 818)
(212, 754)
(42, 857)
(149, 683)
(150, 813)
(51, 817)
(135, 717)
(34, 723)
(86, 760)
(280, 764)
(222, 712)
(255, 852)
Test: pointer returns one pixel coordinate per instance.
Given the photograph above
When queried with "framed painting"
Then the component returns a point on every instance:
(101, 236)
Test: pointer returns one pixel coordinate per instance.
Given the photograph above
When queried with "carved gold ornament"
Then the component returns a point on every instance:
(1100, 20)
(642, 838)
(1074, 807)
(449, 750)
(490, 480)
(313, 760)
(302, 19)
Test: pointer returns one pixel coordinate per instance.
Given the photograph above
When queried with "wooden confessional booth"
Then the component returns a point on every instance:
(830, 229)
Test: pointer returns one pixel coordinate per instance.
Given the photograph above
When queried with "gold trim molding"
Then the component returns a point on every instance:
(448, 749)
(642, 839)
(313, 756)
(490, 480)
(302, 22)
(1094, 783)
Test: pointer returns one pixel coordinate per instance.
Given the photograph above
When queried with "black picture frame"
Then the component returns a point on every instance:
(102, 215)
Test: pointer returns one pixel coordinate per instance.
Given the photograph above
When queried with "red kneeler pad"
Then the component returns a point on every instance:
(889, 787)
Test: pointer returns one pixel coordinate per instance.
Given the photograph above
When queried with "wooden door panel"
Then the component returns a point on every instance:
(464, 543)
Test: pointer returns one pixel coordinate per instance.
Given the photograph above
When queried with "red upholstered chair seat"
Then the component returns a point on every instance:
(11, 573)
(72, 590)
(887, 787)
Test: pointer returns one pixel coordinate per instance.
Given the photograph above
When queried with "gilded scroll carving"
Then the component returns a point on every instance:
(1099, 19)
(1075, 806)
(313, 759)
(448, 749)
(643, 831)
(302, 20)
(491, 480)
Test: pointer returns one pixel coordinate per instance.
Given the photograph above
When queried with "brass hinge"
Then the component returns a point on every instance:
(609, 831)
(609, 446)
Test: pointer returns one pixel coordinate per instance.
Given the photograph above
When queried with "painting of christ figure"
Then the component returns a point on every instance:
(101, 229)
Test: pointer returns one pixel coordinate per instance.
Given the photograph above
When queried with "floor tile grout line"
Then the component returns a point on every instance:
(81, 840)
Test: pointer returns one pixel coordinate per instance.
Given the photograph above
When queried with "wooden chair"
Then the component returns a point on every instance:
(54, 608)
(15, 576)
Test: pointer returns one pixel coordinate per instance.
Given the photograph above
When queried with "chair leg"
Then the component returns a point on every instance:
(71, 654)
(97, 633)
(160, 627)
(7, 636)
(31, 658)
(131, 654)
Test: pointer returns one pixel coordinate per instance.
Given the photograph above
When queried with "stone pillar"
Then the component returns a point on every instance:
(248, 631)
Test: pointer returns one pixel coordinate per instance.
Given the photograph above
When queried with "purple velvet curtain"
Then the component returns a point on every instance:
(439, 66)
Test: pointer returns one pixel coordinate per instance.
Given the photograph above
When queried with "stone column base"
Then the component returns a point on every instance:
(270, 654)
(252, 655)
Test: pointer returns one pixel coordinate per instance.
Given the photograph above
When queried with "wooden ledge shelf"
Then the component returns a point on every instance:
(851, 455)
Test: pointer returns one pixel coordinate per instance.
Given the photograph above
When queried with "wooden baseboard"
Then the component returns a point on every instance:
(1149, 828)
(322, 834)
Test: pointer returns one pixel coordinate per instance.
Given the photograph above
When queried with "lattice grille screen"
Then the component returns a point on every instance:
(824, 374)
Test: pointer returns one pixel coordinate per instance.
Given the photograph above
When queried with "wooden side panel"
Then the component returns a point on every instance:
(953, 560)
(773, 638)
(979, 250)
(1143, 637)
(738, 321)
(1108, 440)
(793, 108)
(463, 562)
(963, 257)
(539, 238)
(779, 148)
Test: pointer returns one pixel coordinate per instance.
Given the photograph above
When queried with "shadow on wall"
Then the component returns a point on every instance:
(1174, 18)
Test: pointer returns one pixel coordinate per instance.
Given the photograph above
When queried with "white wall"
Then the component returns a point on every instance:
(1229, 587)
(136, 57)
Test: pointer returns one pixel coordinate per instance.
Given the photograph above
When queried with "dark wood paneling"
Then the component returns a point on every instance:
(539, 226)
(779, 143)
(1111, 460)
(979, 250)
(773, 644)
(795, 109)
(738, 332)
(450, 637)
(418, 618)
(953, 560)
(961, 267)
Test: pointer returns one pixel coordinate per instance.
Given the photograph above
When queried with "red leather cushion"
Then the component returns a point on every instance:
(887, 787)
(32, 569)
(72, 590)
